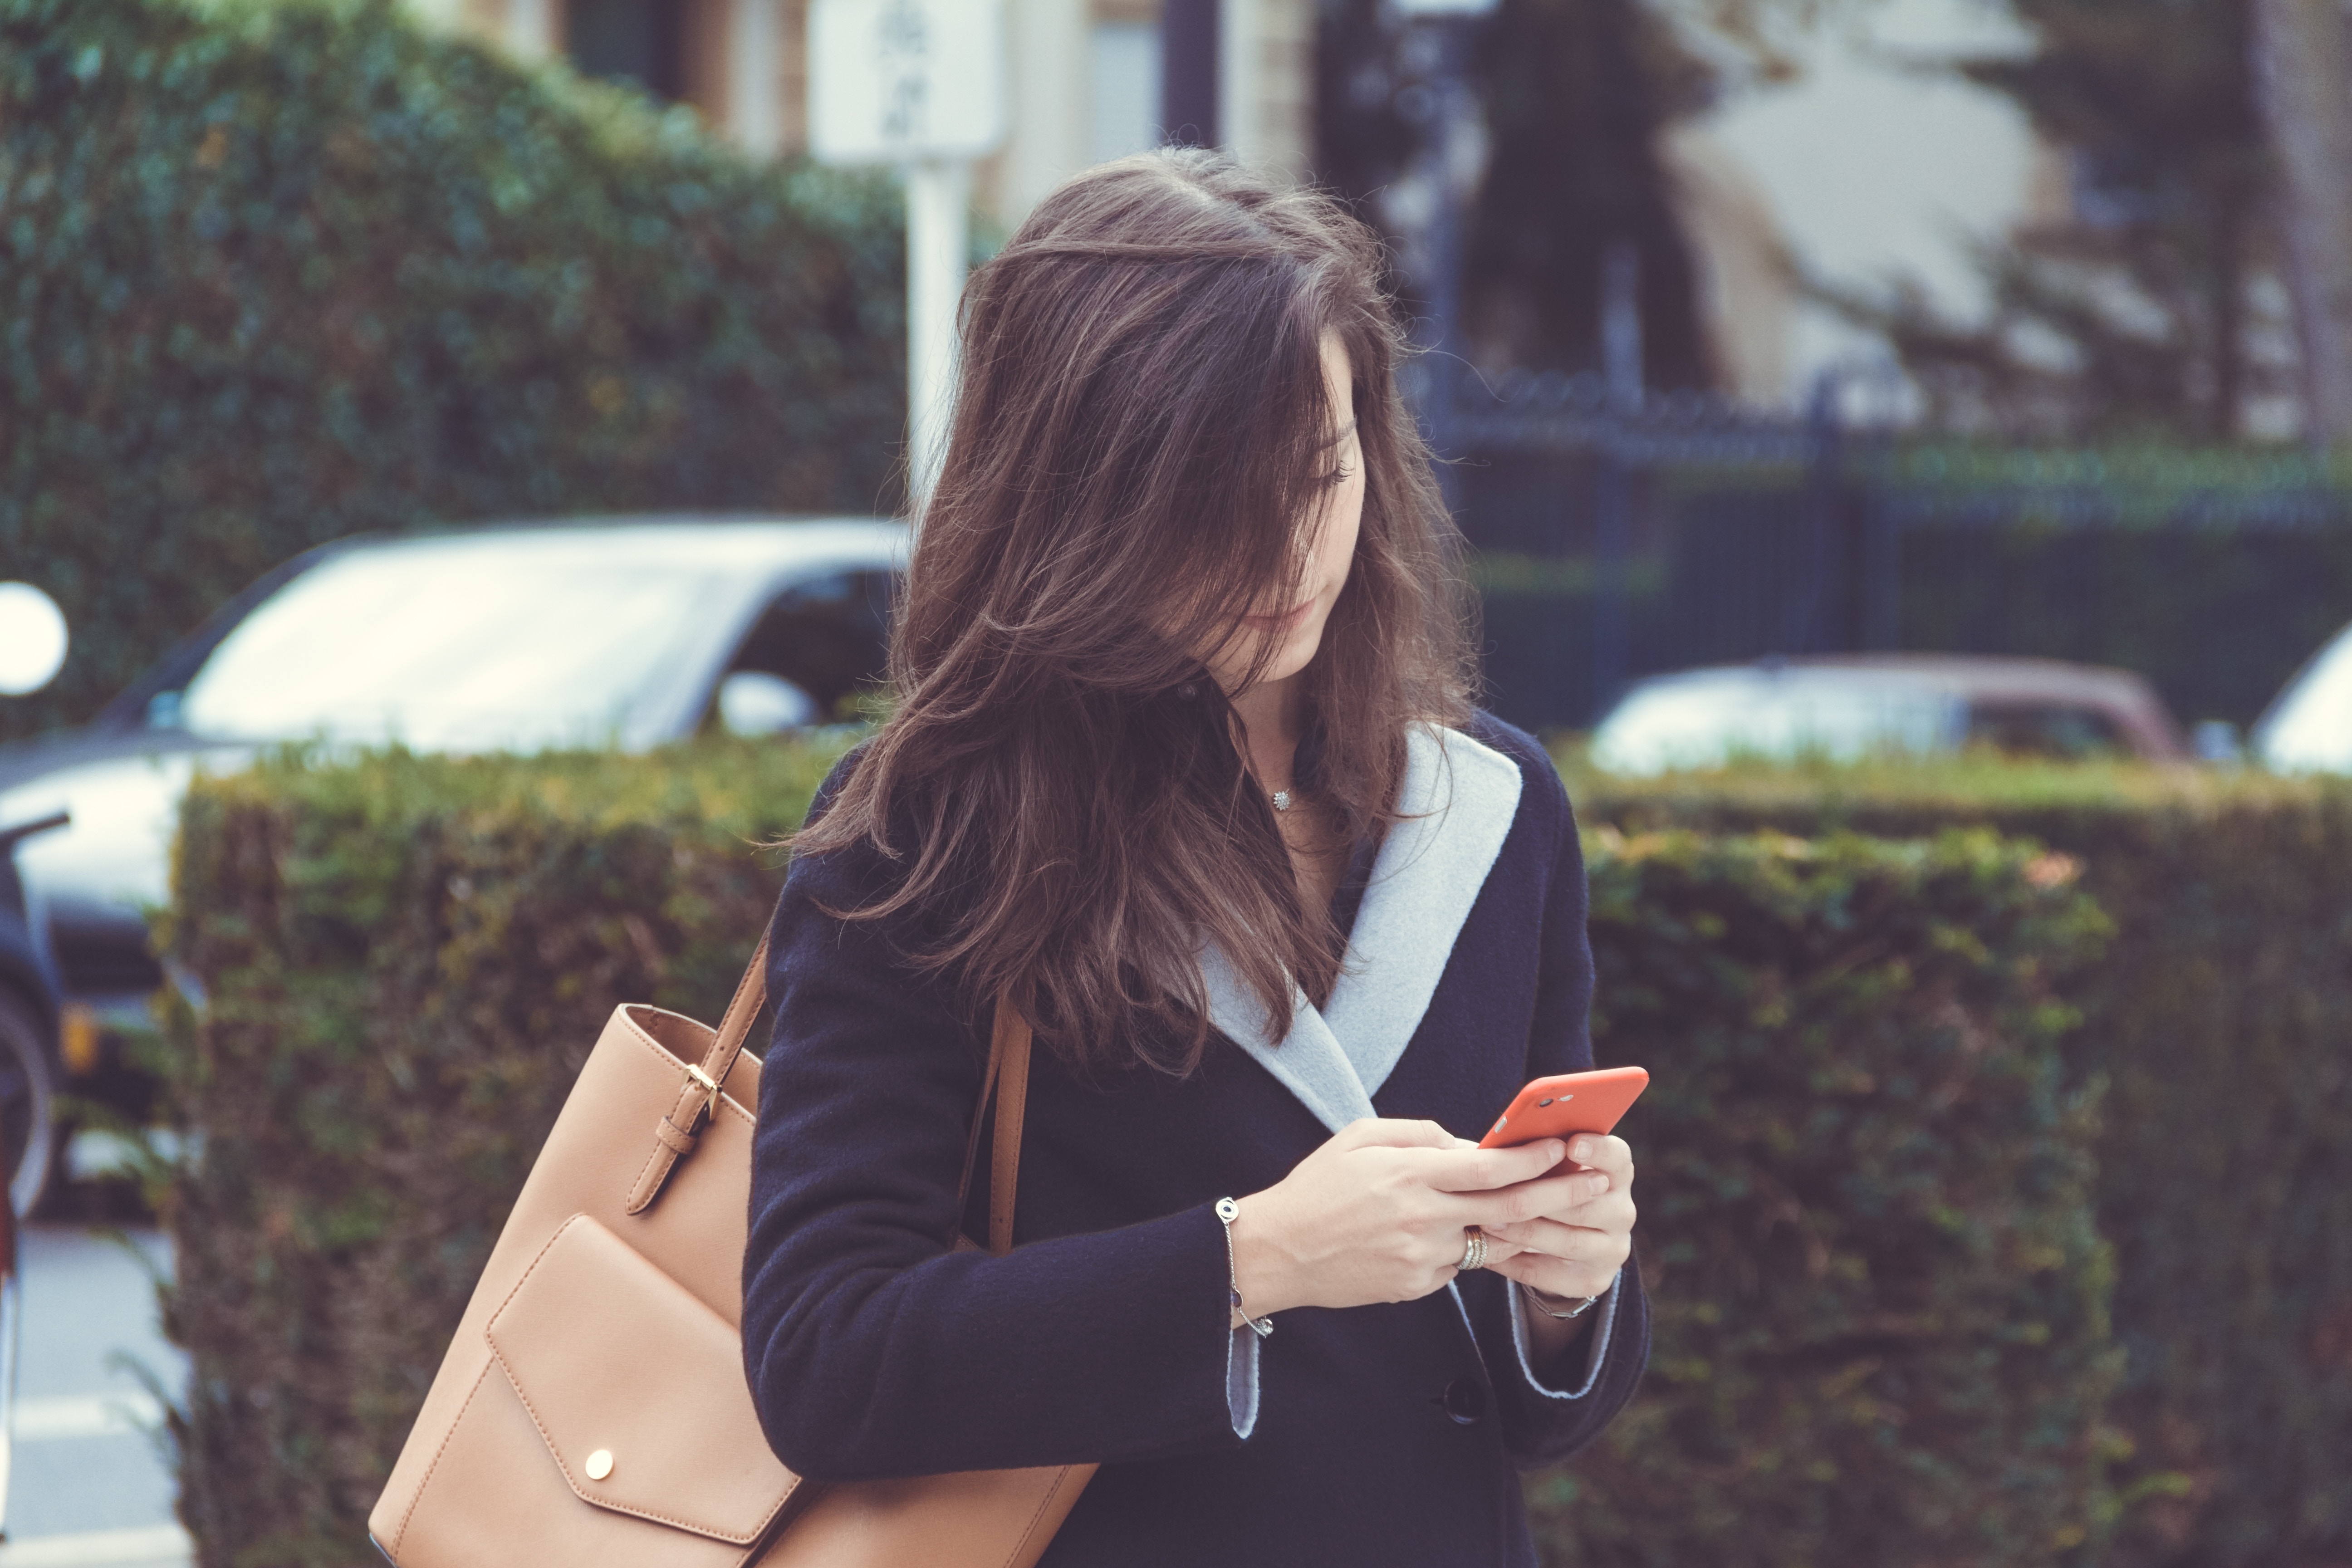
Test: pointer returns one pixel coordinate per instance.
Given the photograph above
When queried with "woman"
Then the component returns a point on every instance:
(1182, 769)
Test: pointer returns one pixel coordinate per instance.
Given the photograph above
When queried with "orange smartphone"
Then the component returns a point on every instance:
(1564, 1106)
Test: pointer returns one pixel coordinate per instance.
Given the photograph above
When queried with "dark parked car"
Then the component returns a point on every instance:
(28, 1035)
(1853, 705)
(626, 633)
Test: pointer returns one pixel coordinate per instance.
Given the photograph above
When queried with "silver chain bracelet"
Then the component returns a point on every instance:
(1229, 1211)
(1578, 1310)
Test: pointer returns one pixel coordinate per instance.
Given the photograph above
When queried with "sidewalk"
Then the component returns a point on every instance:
(90, 1487)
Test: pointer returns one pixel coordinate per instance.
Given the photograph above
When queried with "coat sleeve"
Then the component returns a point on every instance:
(1549, 1411)
(872, 1348)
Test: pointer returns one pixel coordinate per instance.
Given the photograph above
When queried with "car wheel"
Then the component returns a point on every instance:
(27, 1120)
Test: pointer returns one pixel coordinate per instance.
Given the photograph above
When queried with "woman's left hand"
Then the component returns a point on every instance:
(1575, 1250)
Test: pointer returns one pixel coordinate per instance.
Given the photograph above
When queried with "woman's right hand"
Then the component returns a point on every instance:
(1378, 1214)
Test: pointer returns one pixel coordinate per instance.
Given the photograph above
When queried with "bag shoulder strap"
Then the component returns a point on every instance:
(697, 1092)
(1007, 1076)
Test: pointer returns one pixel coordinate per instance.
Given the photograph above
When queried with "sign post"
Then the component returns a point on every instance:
(919, 84)
(1428, 207)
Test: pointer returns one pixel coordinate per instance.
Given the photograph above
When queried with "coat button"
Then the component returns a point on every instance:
(1465, 1401)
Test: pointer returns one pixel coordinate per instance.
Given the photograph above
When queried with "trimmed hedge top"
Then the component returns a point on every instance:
(1972, 785)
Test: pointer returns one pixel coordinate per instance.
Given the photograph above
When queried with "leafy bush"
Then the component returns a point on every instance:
(402, 964)
(1878, 1257)
(1880, 1303)
(273, 274)
(2215, 1017)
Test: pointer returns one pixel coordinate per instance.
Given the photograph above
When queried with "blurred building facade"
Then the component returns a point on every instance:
(1861, 169)
(1870, 166)
(1085, 74)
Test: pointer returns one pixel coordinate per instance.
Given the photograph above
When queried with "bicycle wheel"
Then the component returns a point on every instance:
(28, 1123)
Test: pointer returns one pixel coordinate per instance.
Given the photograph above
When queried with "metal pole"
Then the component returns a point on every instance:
(1612, 499)
(1883, 575)
(1188, 48)
(1621, 326)
(1801, 620)
(1427, 207)
(938, 201)
(1613, 477)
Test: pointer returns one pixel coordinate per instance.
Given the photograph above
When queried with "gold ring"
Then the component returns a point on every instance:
(1474, 1249)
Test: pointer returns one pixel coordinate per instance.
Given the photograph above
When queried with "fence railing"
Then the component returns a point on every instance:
(1619, 538)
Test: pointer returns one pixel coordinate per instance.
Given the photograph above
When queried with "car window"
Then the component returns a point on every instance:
(1704, 721)
(2064, 730)
(455, 648)
(827, 636)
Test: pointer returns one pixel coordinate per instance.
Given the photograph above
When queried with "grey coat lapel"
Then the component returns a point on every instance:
(1309, 1062)
(1458, 801)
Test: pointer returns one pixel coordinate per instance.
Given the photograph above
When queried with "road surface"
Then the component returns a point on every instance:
(90, 1486)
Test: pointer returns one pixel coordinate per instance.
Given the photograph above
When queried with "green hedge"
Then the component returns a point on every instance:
(2217, 1018)
(1880, 1303)
(271, 274)
(401, 966)
(1866, 1196)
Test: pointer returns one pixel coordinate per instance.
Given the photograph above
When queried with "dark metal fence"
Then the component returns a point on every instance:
(1620, 537)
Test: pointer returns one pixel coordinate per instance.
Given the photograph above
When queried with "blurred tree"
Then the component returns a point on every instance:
(1575, 93)
(2143, 307)
(271, 275)
(2303, 64)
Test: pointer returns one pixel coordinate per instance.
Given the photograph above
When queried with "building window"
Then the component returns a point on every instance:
(642, 42)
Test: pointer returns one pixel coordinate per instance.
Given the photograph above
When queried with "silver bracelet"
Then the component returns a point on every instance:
(1536, 1298)
(1229, 1211)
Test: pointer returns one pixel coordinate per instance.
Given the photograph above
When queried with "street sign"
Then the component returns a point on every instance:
(899, 81)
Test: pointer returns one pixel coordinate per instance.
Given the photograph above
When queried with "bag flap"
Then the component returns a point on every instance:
(639, 1389)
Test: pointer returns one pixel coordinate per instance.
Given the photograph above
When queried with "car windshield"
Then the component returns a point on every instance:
(2310, 731)
(1706, 721)
(456, 645)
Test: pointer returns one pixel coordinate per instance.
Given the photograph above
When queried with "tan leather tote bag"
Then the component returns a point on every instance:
(592, 1409)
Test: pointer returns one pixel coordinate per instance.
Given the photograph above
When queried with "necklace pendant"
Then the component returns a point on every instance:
(1281, 800)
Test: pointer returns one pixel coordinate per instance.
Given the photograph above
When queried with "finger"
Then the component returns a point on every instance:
(1395, 1132)
(1484, 1170)
(1499, 1252)
(1615, 1215)
(1555, 1276)
(1577, 1240)
(1548, 1237)
(1585, 1185)
(1546, 1197)
(1610, 1156)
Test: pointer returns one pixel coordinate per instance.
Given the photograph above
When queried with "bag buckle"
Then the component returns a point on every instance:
(710, 1086)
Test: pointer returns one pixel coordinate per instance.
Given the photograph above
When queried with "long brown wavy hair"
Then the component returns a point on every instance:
(1142, 425)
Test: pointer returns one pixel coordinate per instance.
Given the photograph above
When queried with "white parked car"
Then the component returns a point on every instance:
(626, 633)
(2308, 726)
(1844, 707)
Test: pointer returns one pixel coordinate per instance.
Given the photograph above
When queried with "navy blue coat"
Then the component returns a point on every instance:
(1377, 1433)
